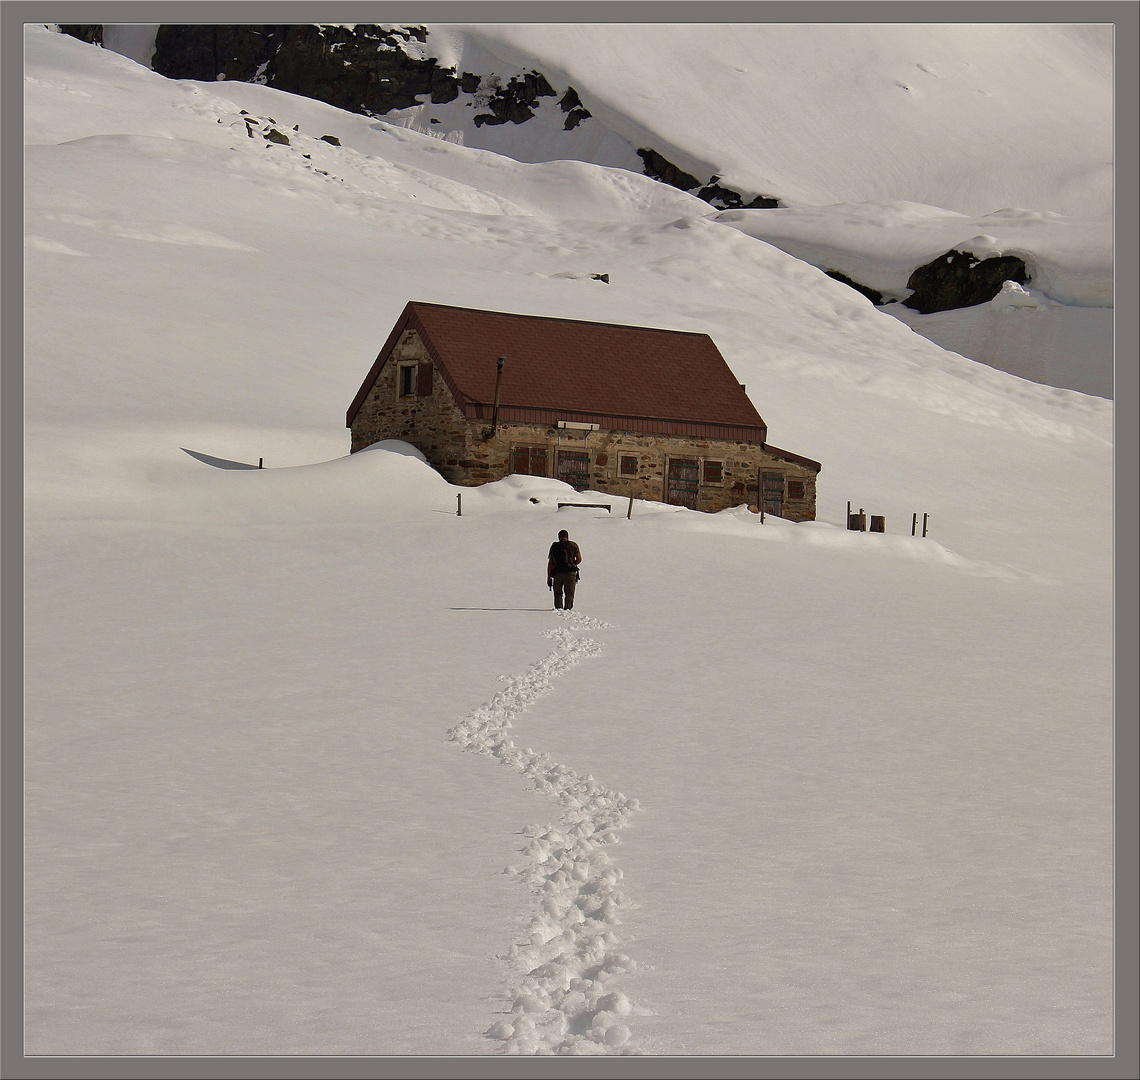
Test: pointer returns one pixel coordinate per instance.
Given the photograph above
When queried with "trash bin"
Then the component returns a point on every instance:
(878, 523)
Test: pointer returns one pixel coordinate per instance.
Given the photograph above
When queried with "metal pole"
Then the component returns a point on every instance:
(498, 387)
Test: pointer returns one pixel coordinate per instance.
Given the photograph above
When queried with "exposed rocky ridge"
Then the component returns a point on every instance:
(959, 279)
(372, 70)
(954, 280)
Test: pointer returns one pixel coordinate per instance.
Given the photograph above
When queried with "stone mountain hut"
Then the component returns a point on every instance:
(629, 410)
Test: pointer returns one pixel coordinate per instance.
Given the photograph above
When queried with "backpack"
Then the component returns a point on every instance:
(562, 553)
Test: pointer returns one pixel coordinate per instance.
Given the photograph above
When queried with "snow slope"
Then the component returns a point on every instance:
(822, 114)
(1062, 336)
(887, 145)
(772, 789)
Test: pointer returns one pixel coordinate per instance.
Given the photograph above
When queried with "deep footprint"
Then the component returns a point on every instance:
(563, 1000)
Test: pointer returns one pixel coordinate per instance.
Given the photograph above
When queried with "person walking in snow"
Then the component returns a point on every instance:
(562, 570)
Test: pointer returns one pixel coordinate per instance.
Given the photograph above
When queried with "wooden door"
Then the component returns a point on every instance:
(684, 482)
(774, 493)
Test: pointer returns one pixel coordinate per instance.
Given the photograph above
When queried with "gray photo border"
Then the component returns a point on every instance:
(1124, 14)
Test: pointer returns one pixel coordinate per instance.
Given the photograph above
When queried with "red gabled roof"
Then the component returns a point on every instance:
(626, 376)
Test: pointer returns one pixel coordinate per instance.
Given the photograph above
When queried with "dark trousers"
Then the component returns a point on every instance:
(564, 590)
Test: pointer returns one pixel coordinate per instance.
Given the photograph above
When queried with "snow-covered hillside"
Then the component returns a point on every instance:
(769, 789)
(885, 147)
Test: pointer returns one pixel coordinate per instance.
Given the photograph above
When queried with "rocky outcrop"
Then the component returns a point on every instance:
(362, 69)
(91, 33)
(664, 171)
(959, 279)
(514, 103)
(575, 111)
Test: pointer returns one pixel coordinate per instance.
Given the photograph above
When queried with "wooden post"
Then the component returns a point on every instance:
(760, 494)
(914, 524)
(459, 506)
(925, 518)
(629, 512)
(261, 463)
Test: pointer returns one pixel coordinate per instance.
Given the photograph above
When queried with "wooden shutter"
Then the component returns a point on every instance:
(423, 380)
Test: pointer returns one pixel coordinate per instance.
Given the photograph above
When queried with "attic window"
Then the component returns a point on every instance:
(414, 380)
(407, 373)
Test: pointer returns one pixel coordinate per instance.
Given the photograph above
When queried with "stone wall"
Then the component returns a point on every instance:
(417, 408)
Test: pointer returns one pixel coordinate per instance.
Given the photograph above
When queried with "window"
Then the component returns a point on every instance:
(407, 380)
(414, 380)
(628, 465)
(795, 489)
(714, 472)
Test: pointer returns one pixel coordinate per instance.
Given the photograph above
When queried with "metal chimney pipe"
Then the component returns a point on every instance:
(498, 387)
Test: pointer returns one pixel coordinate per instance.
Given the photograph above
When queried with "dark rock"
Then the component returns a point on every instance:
(273, 135)
(469, 82)
(873, 295)
(361, 69)
(204, 52)
(600, 277)
(958, 280)
(444, 86)
(575, 111)
(513, 103)
(664, 171)
(570, 100)
(331, 139)
(91, 33)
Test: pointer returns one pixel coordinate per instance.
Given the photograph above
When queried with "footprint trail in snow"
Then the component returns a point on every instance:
(563, 1000)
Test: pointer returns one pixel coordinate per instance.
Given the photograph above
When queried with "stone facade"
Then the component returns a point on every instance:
(410, 401)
